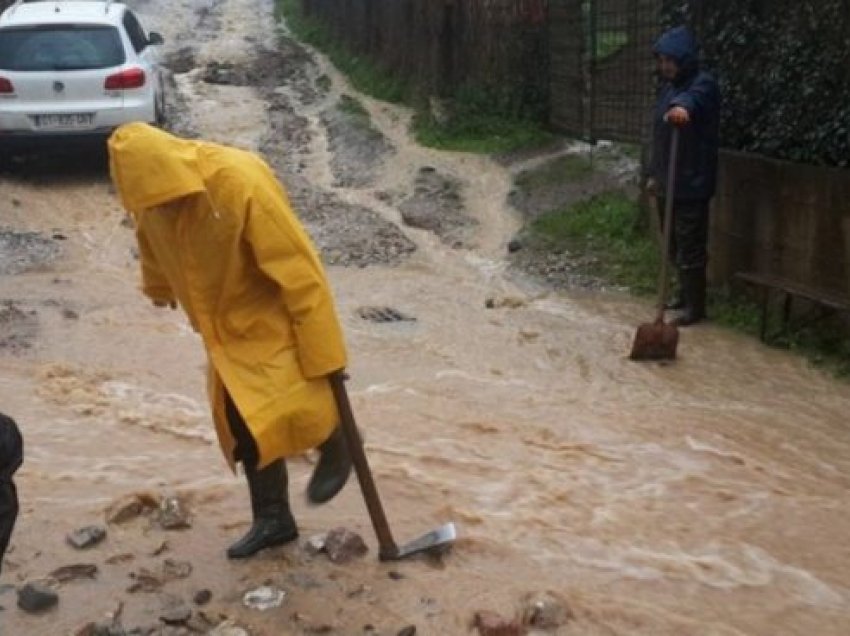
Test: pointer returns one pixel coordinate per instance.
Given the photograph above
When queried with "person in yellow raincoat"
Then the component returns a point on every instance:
(217, 235)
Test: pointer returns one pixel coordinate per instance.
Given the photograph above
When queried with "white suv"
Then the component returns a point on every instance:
(74, 69)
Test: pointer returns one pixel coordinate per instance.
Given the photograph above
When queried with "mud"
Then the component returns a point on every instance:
(437, 205)
(358, 149)
(705, 497)
(18, 328)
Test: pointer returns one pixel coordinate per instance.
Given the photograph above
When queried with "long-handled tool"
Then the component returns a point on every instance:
(658, 340)
(389, 550)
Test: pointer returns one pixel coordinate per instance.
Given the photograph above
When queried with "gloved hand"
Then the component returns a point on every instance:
(165, 303)
(678, 116)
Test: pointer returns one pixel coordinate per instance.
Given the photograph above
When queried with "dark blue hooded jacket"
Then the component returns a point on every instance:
(696, 91)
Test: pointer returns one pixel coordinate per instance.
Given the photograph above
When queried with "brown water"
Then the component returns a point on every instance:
(709, 496)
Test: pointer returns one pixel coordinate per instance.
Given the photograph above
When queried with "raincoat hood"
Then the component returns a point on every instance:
(150, 167)
(681, 45)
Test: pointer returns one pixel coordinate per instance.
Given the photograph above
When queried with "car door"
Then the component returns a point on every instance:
(145, 52)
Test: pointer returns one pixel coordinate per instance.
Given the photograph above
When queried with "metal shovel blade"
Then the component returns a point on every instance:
(431, 542)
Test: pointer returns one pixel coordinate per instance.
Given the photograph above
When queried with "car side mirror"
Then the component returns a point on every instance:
(155, 39)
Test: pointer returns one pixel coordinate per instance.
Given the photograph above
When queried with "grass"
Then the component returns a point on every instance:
(611, 247)
(569, 168)
(366, 76)
(479, 123)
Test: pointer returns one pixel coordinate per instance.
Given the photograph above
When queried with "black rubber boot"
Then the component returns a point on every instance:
(332, 471)
(273, 523)
(694, 296)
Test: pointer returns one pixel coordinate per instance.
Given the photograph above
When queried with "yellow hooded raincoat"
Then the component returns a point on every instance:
(217, 234)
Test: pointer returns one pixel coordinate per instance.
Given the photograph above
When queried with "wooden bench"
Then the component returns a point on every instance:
(829, 301)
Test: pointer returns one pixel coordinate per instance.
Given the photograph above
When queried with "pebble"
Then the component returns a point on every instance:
(74, 572)
(315, 545)
(410, 630)
(343, 545)
(173, 514)
(546, 611)
(492, 624)
(172, 570)
(88, 537)
(228, 628)
(202, 597)
(176, 613)
(36, 597)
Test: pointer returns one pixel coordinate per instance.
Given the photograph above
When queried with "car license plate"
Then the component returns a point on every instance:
(54, 122)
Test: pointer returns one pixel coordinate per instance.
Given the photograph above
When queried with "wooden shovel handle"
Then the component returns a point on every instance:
(387, 544)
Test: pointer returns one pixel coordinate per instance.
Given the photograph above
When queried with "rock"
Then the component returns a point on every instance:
(172, 570)
(310, 626)
(70, 314)
(129, 507)
(507, 302)
(101, 629)
(315, 545)
(88, 537)
(491, 624)
(34, 598)
(228, 628)
(202, 597)
(343, 545)
(162, 547)
(514, 246)
(264, 598)
(395, 575)
(546, 611)
(410, 630)
(176, 613)
(144, 581)
(117, 559)
(173, 514)
(74, 572)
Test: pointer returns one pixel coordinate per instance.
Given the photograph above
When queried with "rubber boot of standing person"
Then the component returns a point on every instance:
(218, 237)
(11, 458)
(689, 99)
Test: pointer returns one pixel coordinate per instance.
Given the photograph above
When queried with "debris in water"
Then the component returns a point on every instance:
(514, 245)
(383, 315)
(74, 572)
(343, 545)
(315, 545)
(173, 514)
(546, 611)
(202, 597)
(35, 598)
(88, 537)
(228, 628)
(117, 559)
(175, 612)
(410, 630)
(395, 575)
(161, 548)
(310, 626)
(173, 570)
(264, 598)
(508, 302)
(130, 507)
(491, 624)
(144, 581)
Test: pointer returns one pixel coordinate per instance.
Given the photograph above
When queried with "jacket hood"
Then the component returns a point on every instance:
(681, 45)
(150, 167)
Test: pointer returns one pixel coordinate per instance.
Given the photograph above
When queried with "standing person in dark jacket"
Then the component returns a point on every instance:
(690, 100)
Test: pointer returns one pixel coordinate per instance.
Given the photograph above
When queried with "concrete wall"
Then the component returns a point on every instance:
(781, 218)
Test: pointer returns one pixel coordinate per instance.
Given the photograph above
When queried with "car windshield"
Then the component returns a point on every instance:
(62, 47)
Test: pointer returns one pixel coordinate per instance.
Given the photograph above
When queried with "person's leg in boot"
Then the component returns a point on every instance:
(272, 522)
(332, 471)
(692, 257)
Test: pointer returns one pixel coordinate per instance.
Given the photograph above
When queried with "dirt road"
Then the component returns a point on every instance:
(705, 497)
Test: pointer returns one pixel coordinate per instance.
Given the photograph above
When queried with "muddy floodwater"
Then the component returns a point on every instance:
(706, 497)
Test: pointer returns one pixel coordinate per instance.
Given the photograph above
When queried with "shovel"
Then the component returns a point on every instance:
(658, 340)
(389, 550)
